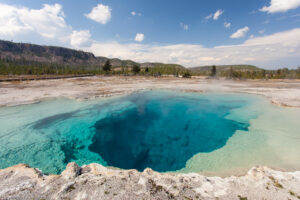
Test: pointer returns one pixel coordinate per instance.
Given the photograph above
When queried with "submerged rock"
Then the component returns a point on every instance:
(95, 181)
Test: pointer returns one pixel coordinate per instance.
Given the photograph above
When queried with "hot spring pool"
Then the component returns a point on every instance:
(163, 130)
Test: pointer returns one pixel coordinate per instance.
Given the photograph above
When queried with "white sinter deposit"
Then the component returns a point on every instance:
(282, 92)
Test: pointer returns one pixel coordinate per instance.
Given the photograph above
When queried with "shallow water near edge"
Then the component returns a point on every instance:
(163, 130)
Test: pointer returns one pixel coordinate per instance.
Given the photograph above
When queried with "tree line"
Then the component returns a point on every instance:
(12, 67)
(232, 73)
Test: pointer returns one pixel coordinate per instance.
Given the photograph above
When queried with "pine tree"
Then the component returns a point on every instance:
(213, 71)
(136, 69)
(107, 66)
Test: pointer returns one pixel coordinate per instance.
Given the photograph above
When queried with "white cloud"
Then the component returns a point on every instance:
(184, 26)
(209, 16)
(214, 16)
(276, 50)
(227, 24)
(240, 33)
(47, 22)
(45, 25)
(281, 6)
(139, 37)
(261, 32)
(218, 14)
(101, 14)
(133, 13)
(80, 38)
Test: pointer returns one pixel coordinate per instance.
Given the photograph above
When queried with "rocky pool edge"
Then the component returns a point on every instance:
(95, 181)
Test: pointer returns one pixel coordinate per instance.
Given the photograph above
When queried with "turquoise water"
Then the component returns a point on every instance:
(163, 130)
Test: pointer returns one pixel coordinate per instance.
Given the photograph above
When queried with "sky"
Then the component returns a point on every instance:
(265, 33)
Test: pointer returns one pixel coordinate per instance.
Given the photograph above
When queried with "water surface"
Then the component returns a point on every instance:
(163, 130)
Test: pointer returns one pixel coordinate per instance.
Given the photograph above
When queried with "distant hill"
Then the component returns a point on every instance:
(225, 68)
(153, 65)
(163, 68)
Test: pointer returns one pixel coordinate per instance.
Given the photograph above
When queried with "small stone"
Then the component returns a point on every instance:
(72, 171)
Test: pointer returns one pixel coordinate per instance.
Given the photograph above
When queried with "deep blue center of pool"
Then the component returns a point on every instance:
(163, 131)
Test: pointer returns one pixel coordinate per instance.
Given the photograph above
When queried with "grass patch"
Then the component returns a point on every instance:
(267, 188)
(242, 198)
(275, 182)
(154, 188)
(70, 188)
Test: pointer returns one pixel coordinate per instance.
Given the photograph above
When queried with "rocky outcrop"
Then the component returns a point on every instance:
(26, 54)
(95, 181)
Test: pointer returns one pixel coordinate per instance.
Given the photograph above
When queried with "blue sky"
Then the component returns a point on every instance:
(260, 32)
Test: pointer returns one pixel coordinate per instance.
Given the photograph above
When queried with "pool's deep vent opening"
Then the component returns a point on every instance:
(162, 132)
